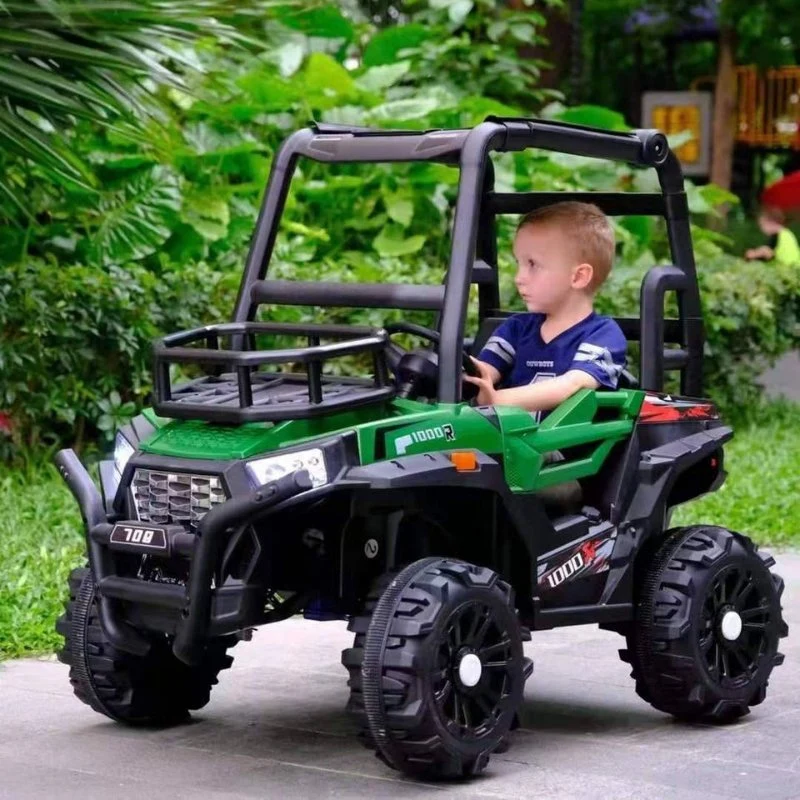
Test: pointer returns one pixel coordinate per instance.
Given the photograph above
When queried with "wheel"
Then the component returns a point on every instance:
(705, 638)
(155, 689)
(437, 670)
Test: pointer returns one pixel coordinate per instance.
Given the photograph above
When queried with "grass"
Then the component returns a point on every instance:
(40, 527)
(41, 536)
(760, 497)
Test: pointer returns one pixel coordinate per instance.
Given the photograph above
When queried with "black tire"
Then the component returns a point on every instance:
(685, 661)
(156, 689)
(408, 659)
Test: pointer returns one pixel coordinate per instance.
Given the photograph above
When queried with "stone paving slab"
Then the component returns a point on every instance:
(276, 727)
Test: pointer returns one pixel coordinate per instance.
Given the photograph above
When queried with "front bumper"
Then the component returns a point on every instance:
(192, 601)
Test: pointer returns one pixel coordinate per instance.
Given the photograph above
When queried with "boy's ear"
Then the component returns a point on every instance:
(582, 276)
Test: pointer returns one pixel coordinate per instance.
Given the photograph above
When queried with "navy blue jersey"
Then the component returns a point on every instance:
(595, 345)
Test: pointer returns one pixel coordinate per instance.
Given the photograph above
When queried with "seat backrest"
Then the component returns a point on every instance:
(485, 330)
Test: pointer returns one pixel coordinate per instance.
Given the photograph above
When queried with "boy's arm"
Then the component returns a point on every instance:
(490, 376)
(495, 359)
(541, 396)
(598, 362)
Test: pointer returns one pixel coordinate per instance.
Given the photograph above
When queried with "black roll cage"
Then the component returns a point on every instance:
(473, 255)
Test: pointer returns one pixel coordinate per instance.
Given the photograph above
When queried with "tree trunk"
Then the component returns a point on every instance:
(576, 50)
(724, 125)
(557, 48)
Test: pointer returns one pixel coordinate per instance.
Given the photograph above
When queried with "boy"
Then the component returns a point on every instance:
(564, 253)
(783, 247)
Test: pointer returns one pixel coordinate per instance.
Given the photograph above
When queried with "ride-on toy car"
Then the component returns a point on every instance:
(445, 532)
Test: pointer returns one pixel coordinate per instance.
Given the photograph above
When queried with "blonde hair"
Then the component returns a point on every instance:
(590, 234)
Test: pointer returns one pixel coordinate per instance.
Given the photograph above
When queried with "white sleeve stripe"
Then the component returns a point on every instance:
(609, 369)
(612, 372)
(503, 344)
(599, 357)
(492, 347)
(586, 347)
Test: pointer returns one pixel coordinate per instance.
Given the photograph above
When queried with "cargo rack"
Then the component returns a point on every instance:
(244, 393)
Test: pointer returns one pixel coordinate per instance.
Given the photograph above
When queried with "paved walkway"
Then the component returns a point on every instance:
(275, 728)
(784, 378)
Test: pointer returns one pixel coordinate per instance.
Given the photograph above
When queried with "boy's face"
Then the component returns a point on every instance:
(547, 272)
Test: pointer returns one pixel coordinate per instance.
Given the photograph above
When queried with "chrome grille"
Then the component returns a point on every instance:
(170, 497)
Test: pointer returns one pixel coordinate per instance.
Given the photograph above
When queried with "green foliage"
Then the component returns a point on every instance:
(93, 276)
(621, 59)
(61, 61)
(760, 496)
(751, 313)
(76, 336)
(41, 532)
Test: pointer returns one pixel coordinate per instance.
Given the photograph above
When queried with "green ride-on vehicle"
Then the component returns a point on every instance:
(445, 532)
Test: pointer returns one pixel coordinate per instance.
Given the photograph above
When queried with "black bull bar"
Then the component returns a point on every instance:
(192, 600)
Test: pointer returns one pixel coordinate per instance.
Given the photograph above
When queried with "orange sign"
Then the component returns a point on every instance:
(677, 119)
(675, 113)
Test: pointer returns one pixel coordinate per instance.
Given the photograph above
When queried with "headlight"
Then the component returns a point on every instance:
(123, 450)
(265, 470)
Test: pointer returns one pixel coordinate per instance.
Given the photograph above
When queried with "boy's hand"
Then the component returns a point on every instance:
(484, 380)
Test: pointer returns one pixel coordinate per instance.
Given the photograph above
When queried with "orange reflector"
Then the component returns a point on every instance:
(464, 461)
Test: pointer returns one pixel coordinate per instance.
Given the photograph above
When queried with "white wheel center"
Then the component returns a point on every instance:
(470, 670)
(731, 626)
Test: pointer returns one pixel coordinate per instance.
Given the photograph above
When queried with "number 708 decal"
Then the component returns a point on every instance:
(155, 538)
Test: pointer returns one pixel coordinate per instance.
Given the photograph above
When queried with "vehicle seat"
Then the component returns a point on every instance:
(563, 498)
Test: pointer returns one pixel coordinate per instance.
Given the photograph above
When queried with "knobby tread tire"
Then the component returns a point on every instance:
(156, 689)
(662, 643)
(387, 700)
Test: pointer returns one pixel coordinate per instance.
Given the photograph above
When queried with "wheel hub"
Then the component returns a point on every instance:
(470, 670)
(731, 625)
(736, 625)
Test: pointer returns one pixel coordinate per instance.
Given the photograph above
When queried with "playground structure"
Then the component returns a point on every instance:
(768, 107)
(766, 116)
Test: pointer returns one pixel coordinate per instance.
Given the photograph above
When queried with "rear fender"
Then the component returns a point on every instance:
(666, 474)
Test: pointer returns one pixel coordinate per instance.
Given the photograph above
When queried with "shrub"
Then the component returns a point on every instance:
(72, 336)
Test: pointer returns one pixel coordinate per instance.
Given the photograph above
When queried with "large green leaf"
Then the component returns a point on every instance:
(385, 46)
(289, 57)
(208, 213)
(132, 222)
(457, 10)
(400, 208)
(62, 60)
(375, 79)
(19, 136)
(716, 196)
(594, 117)
(391, 241)
(262, 90)
(413, 108)
(325, 21)
(324, 75)
(640, 227)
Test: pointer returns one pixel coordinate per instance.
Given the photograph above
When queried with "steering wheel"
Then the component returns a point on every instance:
(417, 371)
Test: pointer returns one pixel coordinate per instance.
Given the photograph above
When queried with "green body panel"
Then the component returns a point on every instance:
(197, 439)
(154, 419)
(570, 425)
(425, 428)
(407, 427)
